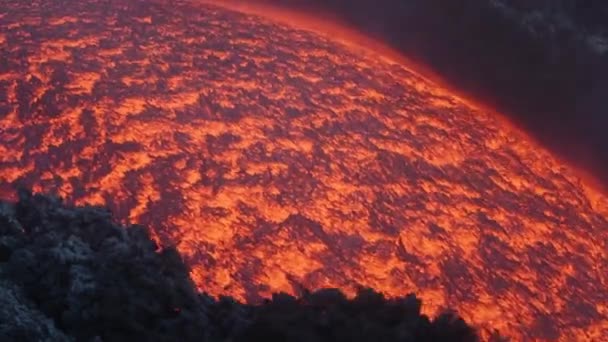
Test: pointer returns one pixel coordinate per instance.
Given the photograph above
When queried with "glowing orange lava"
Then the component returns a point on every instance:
(277, 158)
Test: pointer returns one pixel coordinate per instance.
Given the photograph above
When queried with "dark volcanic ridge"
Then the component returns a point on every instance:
(72, 274)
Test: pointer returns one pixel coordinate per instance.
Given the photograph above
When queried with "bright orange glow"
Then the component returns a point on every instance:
(276, 158)
(335, 29)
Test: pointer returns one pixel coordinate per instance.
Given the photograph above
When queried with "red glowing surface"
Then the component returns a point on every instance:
(278, 152)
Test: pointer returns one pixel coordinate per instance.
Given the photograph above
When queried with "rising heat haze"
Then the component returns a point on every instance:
(278, 158)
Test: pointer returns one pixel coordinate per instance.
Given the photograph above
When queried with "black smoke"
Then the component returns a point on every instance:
(544, 63)
(72, 274)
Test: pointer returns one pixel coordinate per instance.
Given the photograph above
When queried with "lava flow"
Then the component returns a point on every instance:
(276, 158)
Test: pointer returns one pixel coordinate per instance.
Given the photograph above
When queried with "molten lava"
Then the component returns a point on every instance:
(276, 158)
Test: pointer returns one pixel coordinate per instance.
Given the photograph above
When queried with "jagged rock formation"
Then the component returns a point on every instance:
(72, 274)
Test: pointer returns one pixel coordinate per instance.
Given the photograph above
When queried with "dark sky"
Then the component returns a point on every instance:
(544, 63)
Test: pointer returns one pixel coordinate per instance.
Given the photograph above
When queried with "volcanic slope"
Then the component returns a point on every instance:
(275, 158)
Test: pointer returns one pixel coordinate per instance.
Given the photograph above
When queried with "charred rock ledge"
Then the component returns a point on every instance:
(73, 274)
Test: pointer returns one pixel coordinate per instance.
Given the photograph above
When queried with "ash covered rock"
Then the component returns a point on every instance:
(78, 273)
(72, 274)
